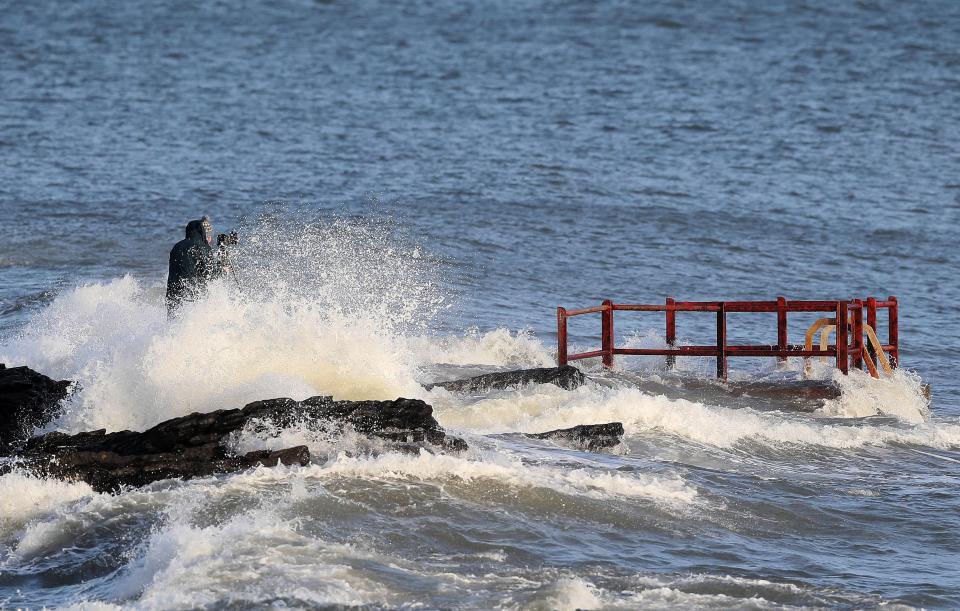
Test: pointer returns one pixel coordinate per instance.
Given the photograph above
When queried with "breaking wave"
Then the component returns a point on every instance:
(542, 408)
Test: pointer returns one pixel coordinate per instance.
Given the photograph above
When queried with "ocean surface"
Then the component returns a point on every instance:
(417, 186)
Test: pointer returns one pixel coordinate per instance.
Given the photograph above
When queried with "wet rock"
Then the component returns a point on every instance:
(567, 377)
(588, 436)
(27, 400)
(198, 445)
(813, 392)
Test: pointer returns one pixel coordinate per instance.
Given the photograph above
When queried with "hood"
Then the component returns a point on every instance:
(195, 231)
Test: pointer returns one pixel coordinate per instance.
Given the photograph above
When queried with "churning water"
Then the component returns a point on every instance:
(417, 186)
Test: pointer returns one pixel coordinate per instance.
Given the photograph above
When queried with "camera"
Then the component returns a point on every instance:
(228, 239)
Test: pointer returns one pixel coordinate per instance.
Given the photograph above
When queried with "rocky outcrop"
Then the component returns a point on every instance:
(199, 444)
(588, 436)
(27, 400)
(567, 377)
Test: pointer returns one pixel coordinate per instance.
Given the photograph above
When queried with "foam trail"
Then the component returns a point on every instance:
(542, 408)
(503, 468)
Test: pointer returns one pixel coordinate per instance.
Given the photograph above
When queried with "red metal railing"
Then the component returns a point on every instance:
(849, 345)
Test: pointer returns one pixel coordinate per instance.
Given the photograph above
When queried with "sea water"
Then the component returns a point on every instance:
(417, 186)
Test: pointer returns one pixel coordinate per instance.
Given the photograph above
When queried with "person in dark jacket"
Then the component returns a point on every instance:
(192, 265)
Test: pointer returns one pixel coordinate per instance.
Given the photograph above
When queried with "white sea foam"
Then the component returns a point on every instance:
(499, 348)
(136, 368)
(24, 498)
(249, 558)
(579, 592)
(324, 309)
(487, 465)
(542, 408)
(568, 594)
(900, 395)
(503, 468)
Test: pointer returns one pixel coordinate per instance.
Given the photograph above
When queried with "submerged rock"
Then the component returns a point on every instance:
(27, 400)
(589, 436)
(567, 377)
(199, 444)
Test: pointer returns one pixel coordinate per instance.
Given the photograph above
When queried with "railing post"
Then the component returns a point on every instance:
(781, 327)
(722, 343)
(561, 336)
(607, 333)
(857, 334)
(894, 332)
(843, 357)
(872, 322)
(671, 331)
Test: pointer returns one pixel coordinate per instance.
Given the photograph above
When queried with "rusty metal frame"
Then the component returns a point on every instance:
(849, 346)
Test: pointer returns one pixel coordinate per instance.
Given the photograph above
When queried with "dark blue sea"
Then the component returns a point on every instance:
(416, 187)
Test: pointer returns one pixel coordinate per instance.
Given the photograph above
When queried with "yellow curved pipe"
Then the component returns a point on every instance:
(878, 348)
(825, 339)
(825, 326)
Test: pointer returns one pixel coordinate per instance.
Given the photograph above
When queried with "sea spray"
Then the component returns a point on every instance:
(307, 309)
(542, 408)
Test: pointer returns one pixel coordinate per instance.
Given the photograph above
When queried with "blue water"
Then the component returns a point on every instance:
(481, 164)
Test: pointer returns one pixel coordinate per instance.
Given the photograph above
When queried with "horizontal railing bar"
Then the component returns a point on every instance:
(796, 351)
(678, 351)
(642, 307)
(673, 307)
(730, 306)
(599, 308)
(789, 349)
(585, 355)
(747, 351)
(790, 306)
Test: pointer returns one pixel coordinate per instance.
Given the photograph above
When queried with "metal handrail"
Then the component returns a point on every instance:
(842, 350)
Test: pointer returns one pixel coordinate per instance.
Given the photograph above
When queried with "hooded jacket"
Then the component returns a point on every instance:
(192, 265)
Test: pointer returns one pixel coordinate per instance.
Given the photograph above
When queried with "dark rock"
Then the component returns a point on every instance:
(589, 436)
(198, 445)
(567, 377)
(806, 391)
(27, 400)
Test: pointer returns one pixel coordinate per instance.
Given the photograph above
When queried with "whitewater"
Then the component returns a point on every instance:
(511, 523)
(417, 187)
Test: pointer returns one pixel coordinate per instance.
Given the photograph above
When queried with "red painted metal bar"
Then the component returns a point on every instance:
(773, 306)
(585, 355)
(713, 351)
(713, 306)
(606, 336)
(894, 331)
(671, 316)
(629, 307)
(781, 326)
(697, 306)
(722, 343)
(561, 336)
(843, 356)
(678, 351)
(856, 347)
(748, 351)
(598, 308)
(782, 350)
